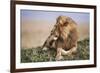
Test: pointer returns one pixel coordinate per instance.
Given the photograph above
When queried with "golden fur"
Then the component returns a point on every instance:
(63, 37)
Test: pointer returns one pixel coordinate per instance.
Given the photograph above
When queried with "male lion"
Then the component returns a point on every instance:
(63, 37)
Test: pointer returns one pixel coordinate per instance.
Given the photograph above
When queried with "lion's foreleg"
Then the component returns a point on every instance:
(59, 56)
(44, 46)
(72, 50)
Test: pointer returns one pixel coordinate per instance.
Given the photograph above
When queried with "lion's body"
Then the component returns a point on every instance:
(69, 42)
(66, 33)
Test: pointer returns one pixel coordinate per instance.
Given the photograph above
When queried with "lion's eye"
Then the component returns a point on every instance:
(65, 24)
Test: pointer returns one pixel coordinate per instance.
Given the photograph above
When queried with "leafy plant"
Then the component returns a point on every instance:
(38, 55)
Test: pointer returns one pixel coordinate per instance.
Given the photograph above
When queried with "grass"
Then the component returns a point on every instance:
(38, 55)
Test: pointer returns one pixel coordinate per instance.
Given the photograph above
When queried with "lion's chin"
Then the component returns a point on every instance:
(55, 38)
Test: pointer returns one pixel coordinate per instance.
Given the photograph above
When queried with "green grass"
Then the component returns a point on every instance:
(37, 55)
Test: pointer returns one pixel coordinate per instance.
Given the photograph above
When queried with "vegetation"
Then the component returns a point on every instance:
(38, 55)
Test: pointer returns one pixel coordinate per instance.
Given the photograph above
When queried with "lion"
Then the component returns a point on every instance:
(63, 37)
